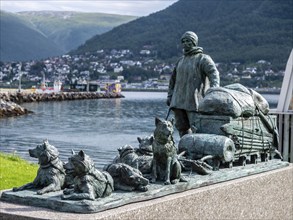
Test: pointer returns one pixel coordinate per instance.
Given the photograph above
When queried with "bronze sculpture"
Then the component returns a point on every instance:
(189, 81)
(89, 183)
(51, 174)
(166, 166)
(127, 178)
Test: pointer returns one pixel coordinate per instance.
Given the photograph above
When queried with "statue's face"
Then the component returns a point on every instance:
(187, 44)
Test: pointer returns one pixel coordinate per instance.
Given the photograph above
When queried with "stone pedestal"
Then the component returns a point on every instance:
(267, 195)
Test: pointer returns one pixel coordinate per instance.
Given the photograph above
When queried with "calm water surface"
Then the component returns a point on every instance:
(98, 126)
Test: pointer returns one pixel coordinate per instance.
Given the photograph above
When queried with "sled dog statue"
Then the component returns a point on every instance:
(166, 166)
(89, 183)
(51, 174)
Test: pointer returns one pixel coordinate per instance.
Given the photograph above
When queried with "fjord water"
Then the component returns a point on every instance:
(97, 126)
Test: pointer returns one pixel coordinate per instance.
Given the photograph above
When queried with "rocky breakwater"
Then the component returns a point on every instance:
(9, 102)
(62, 96)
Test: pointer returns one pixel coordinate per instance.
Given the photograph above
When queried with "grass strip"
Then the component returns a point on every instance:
(15, 171)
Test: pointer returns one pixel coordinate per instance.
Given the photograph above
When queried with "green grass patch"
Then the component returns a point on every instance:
(15, 171)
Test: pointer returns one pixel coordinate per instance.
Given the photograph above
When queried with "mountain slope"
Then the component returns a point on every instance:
(37, 35)
(19, 42)
(71, 29)
(237, 30)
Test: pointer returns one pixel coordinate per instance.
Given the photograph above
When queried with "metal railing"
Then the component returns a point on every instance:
(285, 128)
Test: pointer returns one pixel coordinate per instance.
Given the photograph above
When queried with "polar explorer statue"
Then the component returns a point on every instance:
(229, 123)
(193, 74)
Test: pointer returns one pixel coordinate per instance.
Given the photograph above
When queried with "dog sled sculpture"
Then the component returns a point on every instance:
(233, 125)
(89, 183)
(51, 174)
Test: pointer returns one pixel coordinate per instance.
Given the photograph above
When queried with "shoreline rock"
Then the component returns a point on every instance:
(10, 109)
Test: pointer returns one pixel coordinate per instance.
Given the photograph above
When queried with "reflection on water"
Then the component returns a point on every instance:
(98, 126)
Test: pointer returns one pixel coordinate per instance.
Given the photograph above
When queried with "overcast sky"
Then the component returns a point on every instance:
(123, 7)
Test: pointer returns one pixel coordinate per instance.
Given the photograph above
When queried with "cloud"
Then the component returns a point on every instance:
(124, 7)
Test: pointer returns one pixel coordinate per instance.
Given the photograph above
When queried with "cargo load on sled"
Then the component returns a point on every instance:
(233, 125)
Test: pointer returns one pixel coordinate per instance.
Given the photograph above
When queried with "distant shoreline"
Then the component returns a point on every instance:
(261, 91)
(268, 91)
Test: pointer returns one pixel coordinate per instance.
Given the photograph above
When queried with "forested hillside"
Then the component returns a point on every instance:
(19, 41)
(230, 31)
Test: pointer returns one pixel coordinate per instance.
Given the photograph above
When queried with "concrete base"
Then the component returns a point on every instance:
(268, 195)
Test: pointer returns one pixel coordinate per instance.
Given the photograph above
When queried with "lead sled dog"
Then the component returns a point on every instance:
(166, 166)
